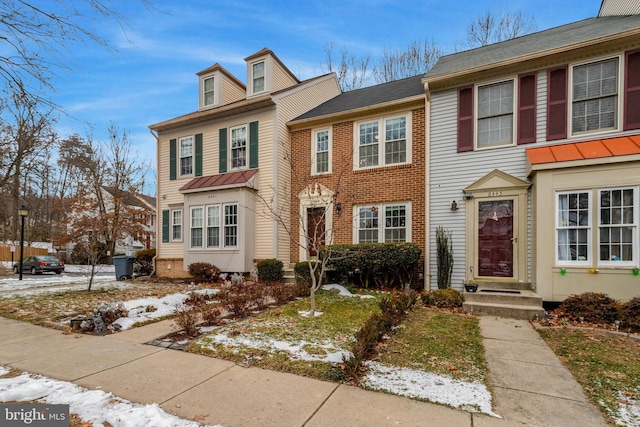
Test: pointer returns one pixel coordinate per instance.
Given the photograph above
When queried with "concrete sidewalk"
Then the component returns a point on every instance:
(221, 392)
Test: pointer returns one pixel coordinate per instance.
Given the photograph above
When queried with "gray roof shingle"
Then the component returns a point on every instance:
(368, 96)
(540, 42)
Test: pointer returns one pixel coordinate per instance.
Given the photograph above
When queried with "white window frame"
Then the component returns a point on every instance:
(175, 224)
(193, 226)
(477, 118)
(209, 225)
(560, 226)
(192, 156)
(381, 209)
(634, 225)
(618, 103)
(230, 226)
(214, 90)
(382, 126)
(253, 77)
(246, 147)
(315, 152)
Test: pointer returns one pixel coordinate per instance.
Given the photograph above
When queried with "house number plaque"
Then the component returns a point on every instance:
(496, 193)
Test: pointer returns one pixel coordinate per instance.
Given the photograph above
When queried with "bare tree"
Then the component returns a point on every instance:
(417, 59)
(37, 36)
(491, 28)
(104, 209)
(352, 72)
(26, 138)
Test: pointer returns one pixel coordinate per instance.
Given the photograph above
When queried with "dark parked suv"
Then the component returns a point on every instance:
(39, 264)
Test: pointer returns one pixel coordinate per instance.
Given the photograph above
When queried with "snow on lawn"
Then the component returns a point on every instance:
(332, 354)
(471, 396)
(628, 409)
(95, 406)
(139, 309)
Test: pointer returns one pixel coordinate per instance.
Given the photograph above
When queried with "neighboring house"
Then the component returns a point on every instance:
(138, 211)
(537, 141)
(224, 170)
(359, 169)
(145, 216)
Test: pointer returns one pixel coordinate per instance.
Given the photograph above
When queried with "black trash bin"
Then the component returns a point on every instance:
(124, 266)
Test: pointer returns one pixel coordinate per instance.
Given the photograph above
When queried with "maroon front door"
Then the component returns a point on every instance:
(495, 238)
(315, 229)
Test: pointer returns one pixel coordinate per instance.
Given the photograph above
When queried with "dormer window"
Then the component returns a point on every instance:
(257, 77)
(208, 91)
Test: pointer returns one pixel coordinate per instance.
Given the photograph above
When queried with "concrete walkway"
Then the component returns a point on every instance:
(530, 386)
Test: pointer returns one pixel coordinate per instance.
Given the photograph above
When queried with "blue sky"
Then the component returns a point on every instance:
(152, 75)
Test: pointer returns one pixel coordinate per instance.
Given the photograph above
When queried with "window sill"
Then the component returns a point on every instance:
(383, 168)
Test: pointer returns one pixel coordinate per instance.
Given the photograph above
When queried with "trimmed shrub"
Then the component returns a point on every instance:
(593, 307)
(375, 264)
(631, 310)
(211, 314)
(270, 270)
(443, 298)
(186, 319)
(204, 271)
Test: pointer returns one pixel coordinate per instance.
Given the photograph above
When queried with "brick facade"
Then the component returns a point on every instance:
(358, 187)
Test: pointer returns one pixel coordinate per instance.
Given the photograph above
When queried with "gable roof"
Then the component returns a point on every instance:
(535, 45)
(367, 97)
(131, 199)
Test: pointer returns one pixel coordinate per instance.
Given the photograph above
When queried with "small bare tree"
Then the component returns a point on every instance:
(352, 72)
(417, 59)
(491, 28)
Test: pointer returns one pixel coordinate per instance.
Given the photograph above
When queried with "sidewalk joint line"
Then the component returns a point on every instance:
(320, 406)
(545, 395)
(198, 384)
(116, 366)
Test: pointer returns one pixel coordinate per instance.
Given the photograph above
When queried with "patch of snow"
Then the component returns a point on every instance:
(3, 371)
(308, 314)
(294, 350)
(342, 291)
(429, 386)
(138, 309)
(94, 406)
(628, 409)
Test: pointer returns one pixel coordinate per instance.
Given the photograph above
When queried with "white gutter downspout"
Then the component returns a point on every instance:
(427, 202)
(158, 232)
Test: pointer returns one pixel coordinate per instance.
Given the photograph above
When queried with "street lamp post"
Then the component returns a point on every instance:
(23, 212)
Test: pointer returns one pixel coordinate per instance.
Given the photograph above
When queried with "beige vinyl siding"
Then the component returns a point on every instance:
(264, 218)
(231, 92)
(281, 79)
(451, 172)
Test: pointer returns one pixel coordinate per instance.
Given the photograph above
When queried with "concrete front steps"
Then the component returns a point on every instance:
(505, 299)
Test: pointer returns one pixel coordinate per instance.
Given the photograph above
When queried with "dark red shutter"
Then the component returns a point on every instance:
(632, 90)
(557, 103)
(527, 108)
(465, 119)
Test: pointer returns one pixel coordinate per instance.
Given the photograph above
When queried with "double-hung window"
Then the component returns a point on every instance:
(595, 96)
(186, 155)
(257, 81)
(383, 142)
(383, 223)
(618, 225)
(573, 227)
(176, 224)
(197, 223)
(321, 151)
(231, 225)
(495, 114)
(208, 91)
(213, 226)
(239, 146)
(615, 212)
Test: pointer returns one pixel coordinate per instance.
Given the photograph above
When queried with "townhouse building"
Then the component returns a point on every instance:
(224, 170)
(359, 169)
(537, 141)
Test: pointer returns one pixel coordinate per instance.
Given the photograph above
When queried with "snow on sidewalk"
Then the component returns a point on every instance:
(95, 406)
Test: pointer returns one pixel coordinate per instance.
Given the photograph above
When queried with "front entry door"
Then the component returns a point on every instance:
(496, 238)
(315, 230)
